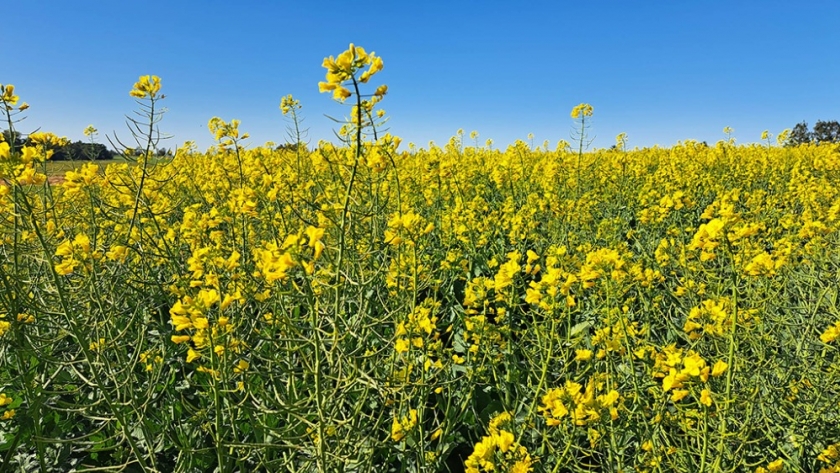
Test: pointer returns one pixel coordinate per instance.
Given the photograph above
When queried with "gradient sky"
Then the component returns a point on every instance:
(661, 71)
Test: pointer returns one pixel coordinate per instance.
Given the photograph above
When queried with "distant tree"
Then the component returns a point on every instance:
(291, 146)
(10, 136)
(799, 135)
(826, 132)
(82, 151)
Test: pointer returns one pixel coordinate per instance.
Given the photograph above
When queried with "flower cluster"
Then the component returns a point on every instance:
(146, 87)
(499, 451)
(582, 110)
(345, 67)
(582, 405)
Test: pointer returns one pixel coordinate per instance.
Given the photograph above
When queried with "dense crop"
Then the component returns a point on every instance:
(359, 308)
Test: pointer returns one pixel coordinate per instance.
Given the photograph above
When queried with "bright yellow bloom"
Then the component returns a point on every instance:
(225, 132)
(706, 397)
(289, 104)
(776, 466)
(673, 380)
(192, 355)
(346, 67)
(401, 345)
(97, 345)
(341, 94)
(146, 86)
(678, 395)
(8, 95)
(400, 427)
(831, 333)
(504, 440)
(241, 366)
(326, 87)
(782, 137)
(582, 110)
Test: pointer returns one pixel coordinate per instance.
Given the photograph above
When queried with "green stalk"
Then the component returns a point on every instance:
(730, 359)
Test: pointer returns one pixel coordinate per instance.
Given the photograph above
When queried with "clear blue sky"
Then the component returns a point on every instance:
(661, 71)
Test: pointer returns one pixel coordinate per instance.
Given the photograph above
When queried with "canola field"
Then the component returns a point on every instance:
(370, 306)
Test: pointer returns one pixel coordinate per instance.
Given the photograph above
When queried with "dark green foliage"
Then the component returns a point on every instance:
(799, 135)
(82, 151)
(824, 132)
(18, 140)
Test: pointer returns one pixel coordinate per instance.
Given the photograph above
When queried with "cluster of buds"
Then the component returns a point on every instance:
(146, 86)
(9, 99)
(225, 133)
(345, 67)
(582, 110)
(289, 104)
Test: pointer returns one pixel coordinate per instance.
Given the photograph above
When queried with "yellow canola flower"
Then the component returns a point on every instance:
(289, 104)
(678, 395)
(504, 440)
(719, 368)
(583, 355)
(146, 87)
(582, 110)
(778, 466)
(346, 67)
(582, 405)
(47, 138)
(8, 95)
(400, 427)
(224, 132)
(831, 333)
(192, 355)
(326, 87)
(29, 176)
(341, 94)
(401, 345)
(782, 137)
(706, 397)
(499, 451)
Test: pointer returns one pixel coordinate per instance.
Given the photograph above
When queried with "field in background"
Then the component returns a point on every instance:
(660, 310)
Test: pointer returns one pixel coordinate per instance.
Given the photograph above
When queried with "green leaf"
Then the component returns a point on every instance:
(580, 327)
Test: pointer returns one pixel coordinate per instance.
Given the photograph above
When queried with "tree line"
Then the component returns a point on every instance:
(823, 132)
(79, 150)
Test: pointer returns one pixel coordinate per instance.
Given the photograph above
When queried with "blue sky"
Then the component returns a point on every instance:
(661, 71)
